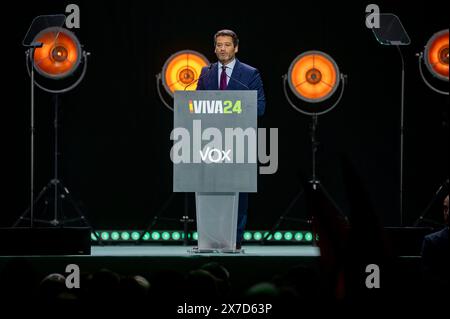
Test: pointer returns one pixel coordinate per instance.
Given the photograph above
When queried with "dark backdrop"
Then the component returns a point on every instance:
(115, 131)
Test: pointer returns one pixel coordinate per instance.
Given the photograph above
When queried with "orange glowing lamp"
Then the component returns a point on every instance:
(181, 70)
(436, 55)
(313, 76)
(59, 55)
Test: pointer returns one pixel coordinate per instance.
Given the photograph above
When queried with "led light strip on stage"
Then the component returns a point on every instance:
(122, 236)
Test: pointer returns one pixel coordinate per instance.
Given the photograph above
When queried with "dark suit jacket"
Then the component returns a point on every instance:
(241, 73)
(435, 255)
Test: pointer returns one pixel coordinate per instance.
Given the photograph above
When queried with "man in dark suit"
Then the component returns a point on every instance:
(231, 74)
(436, 253)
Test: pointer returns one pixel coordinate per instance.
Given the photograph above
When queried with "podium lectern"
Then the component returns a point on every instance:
(214, 155)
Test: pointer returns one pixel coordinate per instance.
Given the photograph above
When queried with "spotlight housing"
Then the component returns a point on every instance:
(181, 69)
(60, 54)
(313, 76)
(436, 55)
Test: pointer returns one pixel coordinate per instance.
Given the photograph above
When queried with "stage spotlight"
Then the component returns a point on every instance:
(313, 76)
(436, 55)
(436, 58)
(180, 71)
(59, 55)
(54, 53)
(56, 57)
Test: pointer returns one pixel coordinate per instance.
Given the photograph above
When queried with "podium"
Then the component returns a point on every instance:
(215, 155)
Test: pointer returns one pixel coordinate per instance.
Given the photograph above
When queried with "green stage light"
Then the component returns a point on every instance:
(146, 236)
(308, 236)
(105, 235)
(165, 235)
(135, 235)
(288, 235)
(126, 235)
(269, 236)
(298, 236)
(176, 235)
(257, 235)
(115, 236)
(156, 235)
(278, 236)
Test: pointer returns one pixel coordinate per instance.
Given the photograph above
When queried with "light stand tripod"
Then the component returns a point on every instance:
(186, 220)
(318, 78)
(315, 184)
(435, 61)
(442, 189)
(60, 192)
(59, 57)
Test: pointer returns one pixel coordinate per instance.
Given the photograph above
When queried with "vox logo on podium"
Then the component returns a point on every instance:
(230, 145)
(214, 155)
(215, 107)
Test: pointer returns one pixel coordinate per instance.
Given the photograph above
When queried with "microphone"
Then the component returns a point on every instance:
(200, 77)
(232, 78)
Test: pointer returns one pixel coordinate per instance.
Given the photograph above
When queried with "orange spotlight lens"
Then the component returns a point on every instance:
(181, 69)
(59, 55)
(436, 55)
(313, 76)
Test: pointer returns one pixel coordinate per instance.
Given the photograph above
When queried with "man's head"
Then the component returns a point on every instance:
(226, 45)
(446, 210)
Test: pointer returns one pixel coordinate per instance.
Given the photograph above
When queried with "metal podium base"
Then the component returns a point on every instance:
(217, 221)
(196, 250)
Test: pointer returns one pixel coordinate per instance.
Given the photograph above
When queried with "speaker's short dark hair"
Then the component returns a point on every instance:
(229, 33)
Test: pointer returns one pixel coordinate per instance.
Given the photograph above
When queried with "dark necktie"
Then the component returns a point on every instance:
(223, 78)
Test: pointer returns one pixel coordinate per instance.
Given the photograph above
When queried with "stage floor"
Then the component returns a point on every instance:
(185, 251)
